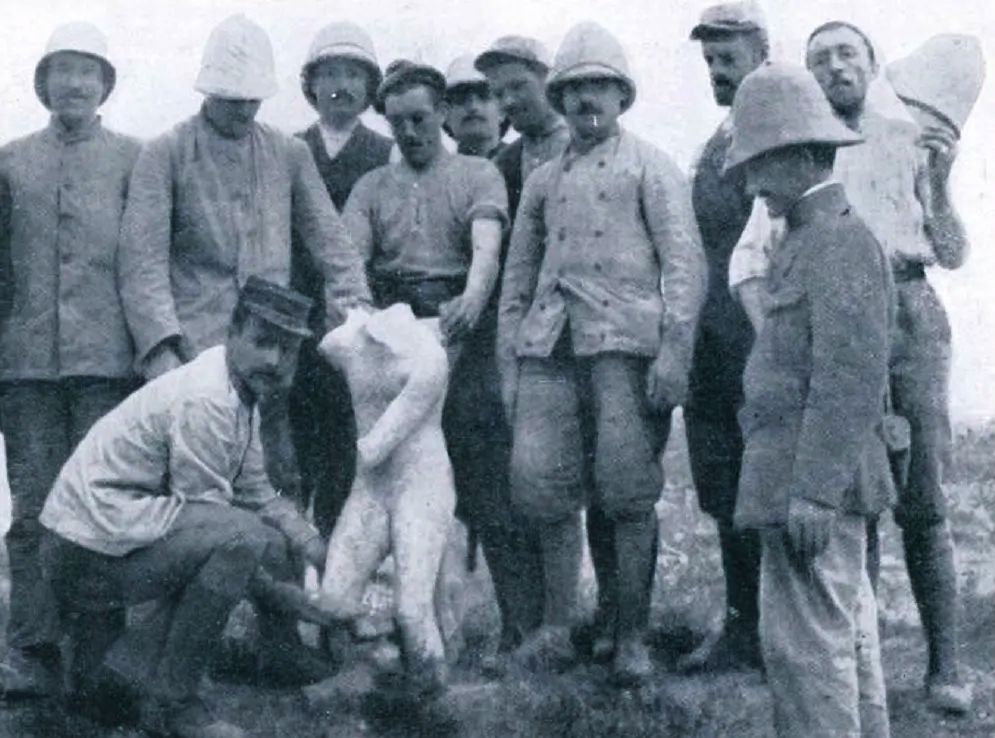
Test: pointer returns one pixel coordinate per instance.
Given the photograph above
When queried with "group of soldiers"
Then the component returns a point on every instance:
(174, 434)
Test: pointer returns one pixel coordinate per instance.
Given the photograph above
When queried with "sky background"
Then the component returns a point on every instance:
(156, 46)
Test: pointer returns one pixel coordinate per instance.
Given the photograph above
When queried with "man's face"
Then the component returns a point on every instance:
(416, 122)
(520, 91)
(75, 86)
(841, 62)
(340, 88)
(729, 60)
(591, 107)
(473, 113)
(779, 177)
(263, 356)
(232, 118)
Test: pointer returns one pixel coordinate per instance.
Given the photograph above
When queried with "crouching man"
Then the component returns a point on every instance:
(166, 499)
(815, 466)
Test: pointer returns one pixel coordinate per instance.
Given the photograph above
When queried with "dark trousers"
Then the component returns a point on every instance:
(196, 573)
(323, 429)
(42, 422)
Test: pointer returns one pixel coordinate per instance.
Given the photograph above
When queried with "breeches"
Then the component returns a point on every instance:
(584, 423)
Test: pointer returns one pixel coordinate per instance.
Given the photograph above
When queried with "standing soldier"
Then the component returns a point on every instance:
(474, 120)
(339, 79)
(898, 181)
(733, 43)
(65, 353)
(815, 467)
(214, 201)
(429, 227)
(592, 356)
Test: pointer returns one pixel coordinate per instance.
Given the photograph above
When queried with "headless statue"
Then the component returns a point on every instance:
(403, 498)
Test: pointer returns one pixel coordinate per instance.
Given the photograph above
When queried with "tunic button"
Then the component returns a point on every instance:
(566, 167)
(597, 266)
(601, 164)
(599, 233)
(602, 196)
(563, 234)
(542, 306)
(604, 303)
(563, 198)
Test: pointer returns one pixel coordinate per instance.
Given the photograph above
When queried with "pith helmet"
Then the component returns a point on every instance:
(945, 75)
(342, 40)
(237, 62)
(589, 51)
(461, 73)
(528, 51)
(780, 105)
(82, 38)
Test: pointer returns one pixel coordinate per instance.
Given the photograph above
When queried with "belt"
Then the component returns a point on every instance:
(908, 271)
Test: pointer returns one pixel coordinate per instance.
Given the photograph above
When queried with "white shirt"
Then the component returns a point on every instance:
(185, 436)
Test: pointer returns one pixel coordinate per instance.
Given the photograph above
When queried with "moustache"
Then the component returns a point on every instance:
(473, 116)
(721, 82)
(588, 109)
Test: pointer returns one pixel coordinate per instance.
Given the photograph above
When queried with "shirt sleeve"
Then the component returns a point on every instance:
(357, 215)
(6, 266)
(144, 251)
(751, 256)
(521, 268)
(322, 232)
(488, 196)
(666, 208)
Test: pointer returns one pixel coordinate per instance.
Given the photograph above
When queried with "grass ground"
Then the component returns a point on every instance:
(687, 602)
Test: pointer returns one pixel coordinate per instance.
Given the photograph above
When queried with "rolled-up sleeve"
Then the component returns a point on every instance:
(144, 253)
(521, 268)
(666, 208)
(320, 228)
(488, 194)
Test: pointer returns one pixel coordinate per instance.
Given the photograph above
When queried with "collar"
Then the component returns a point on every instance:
(824, 197)
(64, 135)
(570, 154)
(443, 154)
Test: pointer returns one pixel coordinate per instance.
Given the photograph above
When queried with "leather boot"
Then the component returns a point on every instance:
(929, 559)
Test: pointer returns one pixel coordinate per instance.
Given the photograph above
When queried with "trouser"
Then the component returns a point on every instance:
(920, 373)
(584, 433)
(211, 558)
(42, 423)
(818, 631)
(324, 436)
(479, 444)
(412, 523)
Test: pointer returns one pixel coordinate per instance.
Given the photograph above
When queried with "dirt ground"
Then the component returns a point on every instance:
(687, 602)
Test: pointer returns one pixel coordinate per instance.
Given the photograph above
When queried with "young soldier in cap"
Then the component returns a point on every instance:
(815, 467)
(166, 498)
(430, 230)
(733, 43)
(592, 356)
(339, 79)
(474, 120)
(897, 180)
(65, 353)
(216, 200)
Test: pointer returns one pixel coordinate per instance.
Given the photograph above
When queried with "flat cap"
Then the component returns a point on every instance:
(402, 71)
(726, 18)
(515, 49)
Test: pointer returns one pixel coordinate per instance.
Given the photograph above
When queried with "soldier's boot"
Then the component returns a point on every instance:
(929, 558)
(635, 552)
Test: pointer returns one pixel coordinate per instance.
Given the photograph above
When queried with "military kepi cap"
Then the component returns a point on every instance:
(721, 20)
(279, 306)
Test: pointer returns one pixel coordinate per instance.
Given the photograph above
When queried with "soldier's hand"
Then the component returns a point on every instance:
(667, 381)
(459, 316)
(941, 143)
(314, 551)
(810, 524)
